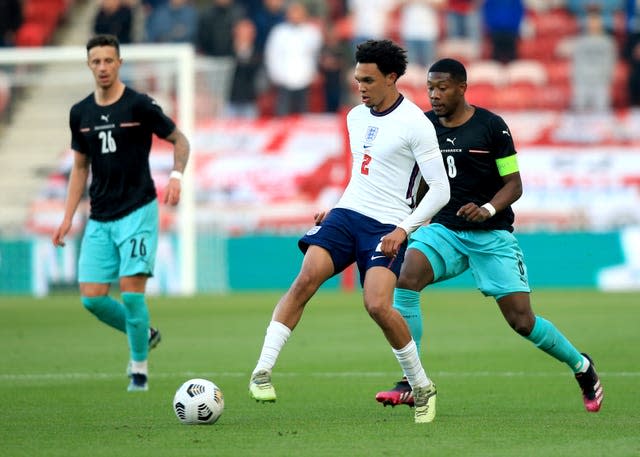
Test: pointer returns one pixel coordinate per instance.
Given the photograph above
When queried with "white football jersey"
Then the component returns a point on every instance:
(391, 151)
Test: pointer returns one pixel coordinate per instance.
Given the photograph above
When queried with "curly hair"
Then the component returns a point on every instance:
(388, 56)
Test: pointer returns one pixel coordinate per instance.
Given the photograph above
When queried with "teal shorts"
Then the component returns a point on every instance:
(494, 257)
(124, 247)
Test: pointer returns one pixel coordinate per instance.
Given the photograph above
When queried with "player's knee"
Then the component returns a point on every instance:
(520, 323)
(94, 304)
(305, 285)
(410, 283)
(377, 310)
(517, 312)
(415, 276)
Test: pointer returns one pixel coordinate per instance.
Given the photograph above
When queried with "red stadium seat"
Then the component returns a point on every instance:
(486, 72)
(538, 48)
(564, 48)
(557, 23)
(417, 95)
(32, 34)
(558, 71)
(484, 95)
(554, 97)
(516, 97)
(41, 12)
(526, 71)
(462, 49)
(41, 18)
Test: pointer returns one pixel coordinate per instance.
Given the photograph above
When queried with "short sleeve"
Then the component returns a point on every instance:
(78, 142)
(159, 123)
(502, 141)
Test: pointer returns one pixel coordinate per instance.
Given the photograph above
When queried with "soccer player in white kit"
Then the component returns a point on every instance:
(393, 144)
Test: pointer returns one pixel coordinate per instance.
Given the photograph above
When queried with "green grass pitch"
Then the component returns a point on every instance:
(63, 383)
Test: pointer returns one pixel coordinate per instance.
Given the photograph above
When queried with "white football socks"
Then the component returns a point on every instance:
(274, 340)
(140, 367)
(411, 365)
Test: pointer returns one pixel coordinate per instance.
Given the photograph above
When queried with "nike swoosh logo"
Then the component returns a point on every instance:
(374, 257)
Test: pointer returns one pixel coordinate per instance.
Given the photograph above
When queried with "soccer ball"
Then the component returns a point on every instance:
(198, 401)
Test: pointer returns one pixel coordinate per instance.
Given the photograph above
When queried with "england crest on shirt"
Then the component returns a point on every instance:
(370, 135)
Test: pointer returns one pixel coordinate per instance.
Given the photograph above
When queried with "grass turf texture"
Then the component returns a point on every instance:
(63, 384)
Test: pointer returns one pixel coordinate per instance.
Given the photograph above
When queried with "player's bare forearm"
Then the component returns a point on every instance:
(507, 195)
(181, 150)
(180, 157)
(77, 182)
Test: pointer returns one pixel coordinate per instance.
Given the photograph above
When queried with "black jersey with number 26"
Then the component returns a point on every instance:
(117, 140)
(470, 152)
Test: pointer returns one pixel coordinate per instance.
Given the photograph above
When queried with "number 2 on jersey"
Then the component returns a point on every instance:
(108, 143)
(364, 168)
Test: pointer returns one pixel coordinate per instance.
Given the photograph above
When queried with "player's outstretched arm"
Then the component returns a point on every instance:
(77, 182)
(181, 149)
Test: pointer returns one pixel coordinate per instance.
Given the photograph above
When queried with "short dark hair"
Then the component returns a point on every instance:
(451, 66)
(388, 56)
(104, 40)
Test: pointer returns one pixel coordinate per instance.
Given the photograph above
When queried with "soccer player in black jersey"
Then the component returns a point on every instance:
(474, 230)
(111, 134)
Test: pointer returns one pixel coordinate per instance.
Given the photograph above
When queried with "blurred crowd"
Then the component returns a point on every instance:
(285, 48)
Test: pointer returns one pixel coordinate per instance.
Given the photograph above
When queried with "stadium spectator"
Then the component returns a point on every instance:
(336, 10)
(419, 29)
(332, 63)
(173, 22)
(143, 17)
(10, 21)
(608, 10)
(632, 50)
(244, 91)
(250, 6)
(317, 10)
(111, 135)
(593, 46)
(271, 13)
(632, 16)
(370, 19)
(291, 59)
(388, 135)
(215, 28)
(464, 20)
(114, 17)
(152, 5)
(474, 229)
(502, 19)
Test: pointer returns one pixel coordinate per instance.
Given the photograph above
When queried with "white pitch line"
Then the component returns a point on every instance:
(12, 377)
